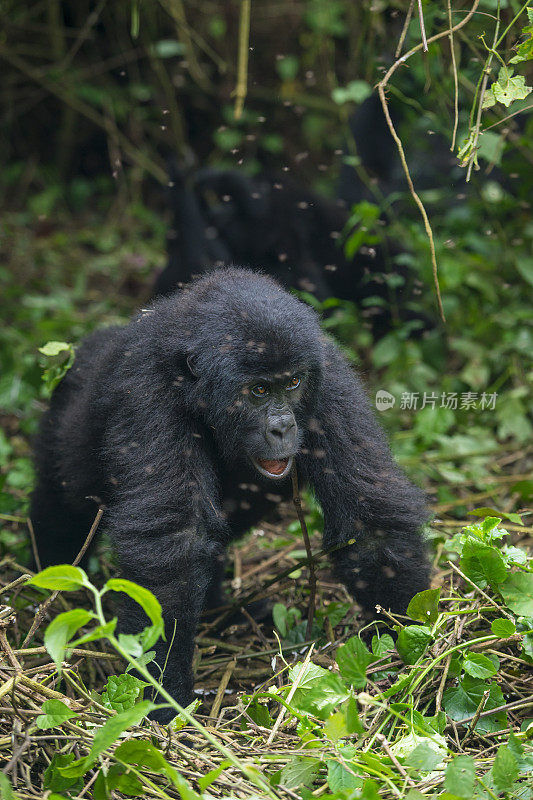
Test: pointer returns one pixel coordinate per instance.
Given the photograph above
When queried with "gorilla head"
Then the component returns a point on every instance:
(253, 380)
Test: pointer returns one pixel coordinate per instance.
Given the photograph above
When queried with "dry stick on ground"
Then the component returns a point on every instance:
(312, 574)
(382, 85)
(47, 603)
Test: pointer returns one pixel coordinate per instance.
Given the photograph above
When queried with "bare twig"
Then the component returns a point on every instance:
(242, 67)
(455, 79)
(405, 28)
(382, 85)
(312, 573)
(422, 26)
(47, 603)
(34, 547)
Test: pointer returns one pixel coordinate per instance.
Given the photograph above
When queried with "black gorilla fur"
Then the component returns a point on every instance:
(272, 223)
(156, 420)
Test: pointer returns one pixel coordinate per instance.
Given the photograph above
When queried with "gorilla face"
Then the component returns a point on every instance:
(272, 402)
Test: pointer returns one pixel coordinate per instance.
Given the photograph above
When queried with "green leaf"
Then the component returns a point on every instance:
(287, 67)
(143, 754)
(351, 713)
(54, 348)
(460, 776)
(503, 627)
(107, 735)
(55, 713)
(382, 645)
(335, 726)
(100, 632)
(506, 89)
(212, 775)
(64, 577)
(54, 781)
(369, 790)
(355, 91)
(412, 642)
(279, 615)
(524, 51)
(6, 790)
(148, 602)
(122, 691)
(505, 769)
(353, 658)
(341, 775)
(462, 702)
(483, 564)
(323, 698)
(480, 666)
(299, 772)
(424, 758)
(517, 591)
(424, 606)
(116, 779)
(61, 630)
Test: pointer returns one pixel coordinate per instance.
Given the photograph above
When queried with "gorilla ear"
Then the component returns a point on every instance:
(192, 366)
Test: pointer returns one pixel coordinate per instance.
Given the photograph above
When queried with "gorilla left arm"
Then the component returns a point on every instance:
(372, 513)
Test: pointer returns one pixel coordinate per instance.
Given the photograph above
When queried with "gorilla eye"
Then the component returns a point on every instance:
(293, 383)
(259, 390)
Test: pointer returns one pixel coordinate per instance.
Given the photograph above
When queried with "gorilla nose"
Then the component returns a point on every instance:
(281, 431)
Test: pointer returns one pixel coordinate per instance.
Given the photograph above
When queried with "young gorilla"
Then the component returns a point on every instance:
(186, 421)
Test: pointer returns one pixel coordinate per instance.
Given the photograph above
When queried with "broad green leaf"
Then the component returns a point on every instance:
(107, 735)
(425, 757)
(279, 615)
(335, 726)
(54, 781)
(323, 698)
(351, 713)
(412, 642)
(299, 772)
(503, 627)
(424, 606)
(517, 591)
(143, 754)
(353, 658)
(122, 691)
(506, 89)
(311, 676)
(460, 776)
(505, 769)
(62, 629)
(370, 790)
(461, 702)
(382, 645)
(480, 666)
(131, 643)
(483, 564)
(148, 602)
(343, 776)
(55, 713)
(6, 790)
(100, 632)
(116, 779)
(355, 91)
(64, 577)
(54, 348)
(524, 51)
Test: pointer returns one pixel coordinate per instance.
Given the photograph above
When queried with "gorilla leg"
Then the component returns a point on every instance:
(60, 531)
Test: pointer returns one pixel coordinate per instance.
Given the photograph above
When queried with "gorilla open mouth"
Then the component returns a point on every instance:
(274, 468)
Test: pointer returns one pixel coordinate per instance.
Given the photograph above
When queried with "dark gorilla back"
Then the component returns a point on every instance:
(186, 425)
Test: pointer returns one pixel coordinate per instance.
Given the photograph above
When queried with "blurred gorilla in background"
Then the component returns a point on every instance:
(277, 225)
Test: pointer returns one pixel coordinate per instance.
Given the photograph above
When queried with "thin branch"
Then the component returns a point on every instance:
(241, 88)
(47, 603)
(310, 560)
(382, 85)
(422, 26)
(455, 79)
(405, 28)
